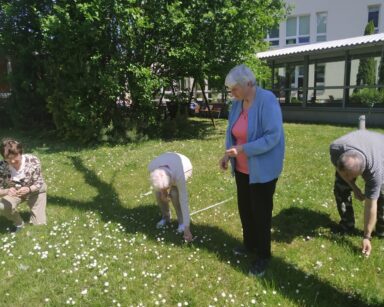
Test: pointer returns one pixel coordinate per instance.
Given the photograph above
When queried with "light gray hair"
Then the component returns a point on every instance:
(240, 75)
(351, 160)
(160, 179)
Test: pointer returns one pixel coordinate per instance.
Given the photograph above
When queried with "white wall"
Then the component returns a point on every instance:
(346, 18)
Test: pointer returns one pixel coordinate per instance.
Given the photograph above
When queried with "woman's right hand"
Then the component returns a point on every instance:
(223, 163)
(366, 247)
(12, 192)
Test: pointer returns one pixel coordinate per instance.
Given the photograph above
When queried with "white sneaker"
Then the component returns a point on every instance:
(161, 223)
(181, 228)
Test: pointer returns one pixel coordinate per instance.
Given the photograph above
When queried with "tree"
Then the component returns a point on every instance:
(21, 40)
(381, 73)
(366, 74)
(76, 58)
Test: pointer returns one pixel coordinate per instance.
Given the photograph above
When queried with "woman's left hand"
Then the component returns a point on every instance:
(23, 191)
(234, 151)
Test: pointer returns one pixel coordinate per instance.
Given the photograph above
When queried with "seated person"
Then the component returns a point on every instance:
(168, 174)
(21, 179)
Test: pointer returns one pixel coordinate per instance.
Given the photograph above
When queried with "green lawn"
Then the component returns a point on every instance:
(101, 248)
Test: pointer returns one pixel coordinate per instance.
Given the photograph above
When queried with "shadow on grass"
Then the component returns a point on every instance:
(301, 222)
(188, 129)
(295, 221)
(4, 225)
(309, 290)
(143, 218)
(193, 128)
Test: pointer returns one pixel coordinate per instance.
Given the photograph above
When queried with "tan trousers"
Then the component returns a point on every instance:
(36, 201)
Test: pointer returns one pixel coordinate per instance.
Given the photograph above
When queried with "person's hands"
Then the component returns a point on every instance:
(366, 247)
(12, 192)
(23, 191)
(223, 163)
(358, 194)
(187, 235)
(234, 151)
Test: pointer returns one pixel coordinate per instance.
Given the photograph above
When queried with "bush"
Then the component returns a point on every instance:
(5, 121)
(178, 127)
(367, 96)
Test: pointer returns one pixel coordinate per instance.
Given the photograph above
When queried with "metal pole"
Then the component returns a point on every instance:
(362, 122)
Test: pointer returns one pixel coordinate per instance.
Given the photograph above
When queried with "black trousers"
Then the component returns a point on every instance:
(343, 196)
(255, 203)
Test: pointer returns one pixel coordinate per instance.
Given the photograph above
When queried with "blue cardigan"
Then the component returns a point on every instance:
(265, 137)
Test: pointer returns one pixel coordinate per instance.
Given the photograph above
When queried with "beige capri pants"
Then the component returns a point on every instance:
(37, 202)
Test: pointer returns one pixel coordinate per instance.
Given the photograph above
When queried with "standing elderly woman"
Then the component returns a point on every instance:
(255, 148)
(21, 179)
(168, 175)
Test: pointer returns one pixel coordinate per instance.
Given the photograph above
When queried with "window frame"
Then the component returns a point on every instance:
(377, 8)
(321, 34)
(297, 37)
(272, 40)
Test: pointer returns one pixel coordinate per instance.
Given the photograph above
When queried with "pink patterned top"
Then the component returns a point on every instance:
(28, 175)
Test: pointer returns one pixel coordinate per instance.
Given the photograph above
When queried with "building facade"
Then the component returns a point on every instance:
(316, 53)
(312, 21)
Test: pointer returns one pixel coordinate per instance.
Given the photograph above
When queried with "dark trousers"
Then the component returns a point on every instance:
(343, 196)
(255, 203)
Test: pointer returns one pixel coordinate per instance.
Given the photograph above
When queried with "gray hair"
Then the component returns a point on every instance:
(240, 75)
(160, 179)
(351, 160)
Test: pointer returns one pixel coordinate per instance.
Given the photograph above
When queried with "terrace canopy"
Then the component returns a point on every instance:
(320, 82)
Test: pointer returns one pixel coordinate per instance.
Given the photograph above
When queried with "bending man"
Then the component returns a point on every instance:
(360, 153)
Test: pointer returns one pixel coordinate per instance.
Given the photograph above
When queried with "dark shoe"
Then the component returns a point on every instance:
(15, 229)
(241, 251)
(343, 229)
(258, 267)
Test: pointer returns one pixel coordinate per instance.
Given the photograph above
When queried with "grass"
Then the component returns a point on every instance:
(100, 247)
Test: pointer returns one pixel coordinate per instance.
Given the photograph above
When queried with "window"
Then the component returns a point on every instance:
(321, 35)
(297, 30)
(373, 14)
(320, 78)
(273, 36)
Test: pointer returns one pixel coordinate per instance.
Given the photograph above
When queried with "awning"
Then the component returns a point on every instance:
(355, 45)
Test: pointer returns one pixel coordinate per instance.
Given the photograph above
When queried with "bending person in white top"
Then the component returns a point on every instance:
(168, 175)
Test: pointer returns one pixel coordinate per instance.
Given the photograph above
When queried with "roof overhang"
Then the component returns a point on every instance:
(356, 46)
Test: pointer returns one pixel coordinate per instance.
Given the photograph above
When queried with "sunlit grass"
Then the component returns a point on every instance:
(101, 248)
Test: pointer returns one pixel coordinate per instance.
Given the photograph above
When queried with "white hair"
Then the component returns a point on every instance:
(240, 75)
(160, 179)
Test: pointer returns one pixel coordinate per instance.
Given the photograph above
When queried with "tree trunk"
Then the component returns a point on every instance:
(202, 85)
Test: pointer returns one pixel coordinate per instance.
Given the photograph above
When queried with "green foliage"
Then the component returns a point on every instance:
(369, 28)
(83, 82)
(366, 74)
(368, 96)
(73, 60)
(20, 39)
(381, 72)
